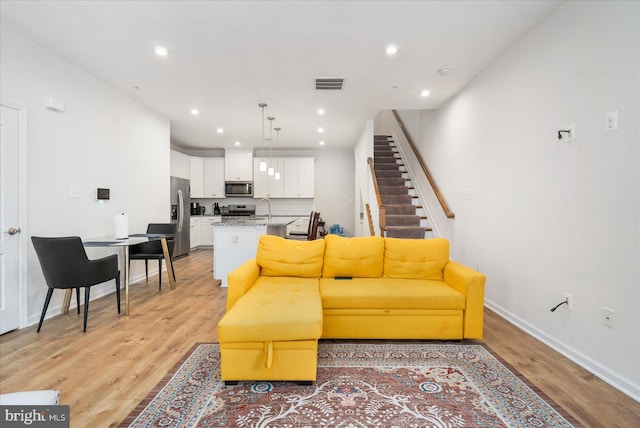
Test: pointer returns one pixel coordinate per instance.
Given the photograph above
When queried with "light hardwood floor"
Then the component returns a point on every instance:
(104, 373)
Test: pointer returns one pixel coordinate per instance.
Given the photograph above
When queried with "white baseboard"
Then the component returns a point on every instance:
(96, 293)
(609, 376)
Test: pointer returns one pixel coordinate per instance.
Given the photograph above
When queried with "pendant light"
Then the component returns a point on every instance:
(270, 170)
(277, 175)
(263, 163)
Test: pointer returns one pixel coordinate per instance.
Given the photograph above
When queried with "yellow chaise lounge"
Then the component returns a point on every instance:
(293, 293)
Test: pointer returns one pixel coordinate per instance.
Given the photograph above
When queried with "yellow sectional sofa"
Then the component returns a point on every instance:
(294, 293)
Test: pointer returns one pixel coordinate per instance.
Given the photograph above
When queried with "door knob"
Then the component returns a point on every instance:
(13, 230)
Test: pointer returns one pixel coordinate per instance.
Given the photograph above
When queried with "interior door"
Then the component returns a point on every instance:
(9, 220)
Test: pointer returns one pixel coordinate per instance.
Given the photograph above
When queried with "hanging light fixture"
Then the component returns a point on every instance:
(263, 163)
(270, 170)
(277, 173)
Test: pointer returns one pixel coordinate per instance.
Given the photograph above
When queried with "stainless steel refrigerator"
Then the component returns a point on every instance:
(181, 214)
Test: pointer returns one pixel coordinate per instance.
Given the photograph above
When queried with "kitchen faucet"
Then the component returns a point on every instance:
(269, 201)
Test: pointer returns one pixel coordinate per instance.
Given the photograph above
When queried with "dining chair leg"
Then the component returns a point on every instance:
(159, 275)
(78, 299)
(86, 308)
(146, 269)
(118, 290)
(44, 309)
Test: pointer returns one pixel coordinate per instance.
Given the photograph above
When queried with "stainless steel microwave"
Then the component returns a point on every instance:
(238, 188)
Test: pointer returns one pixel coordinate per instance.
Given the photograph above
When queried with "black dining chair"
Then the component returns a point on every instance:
(65, 265)
(312, 232)
(153, 250)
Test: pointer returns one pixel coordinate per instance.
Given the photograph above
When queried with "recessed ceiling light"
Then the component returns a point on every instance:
(161, 51)
(237, 143)
(322, 143)
(321, 111)
(195, 112)
(425, 93)
(444, 71)
(219, 130)
(391, 50)
(320, 130)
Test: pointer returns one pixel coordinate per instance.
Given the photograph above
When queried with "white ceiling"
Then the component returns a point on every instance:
(225, 57)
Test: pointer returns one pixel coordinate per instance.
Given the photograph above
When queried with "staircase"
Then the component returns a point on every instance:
(401, 213)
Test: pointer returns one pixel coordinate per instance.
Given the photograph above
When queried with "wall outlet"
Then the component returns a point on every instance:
(569, 298)
(571, 136)
(608, 317)
(611, 121)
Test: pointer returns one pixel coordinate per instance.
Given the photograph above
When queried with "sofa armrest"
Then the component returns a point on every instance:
(470, 283)
(240, 281)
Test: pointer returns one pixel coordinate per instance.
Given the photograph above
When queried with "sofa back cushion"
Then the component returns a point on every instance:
(353, 257)
(415, 258)
(286, 257)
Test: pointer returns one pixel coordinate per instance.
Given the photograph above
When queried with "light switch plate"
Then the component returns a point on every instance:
(74, 192)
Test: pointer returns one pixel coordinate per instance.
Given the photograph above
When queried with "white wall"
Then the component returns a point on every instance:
(102, 139)
(362, 151)
(334, 188)
(550, 216)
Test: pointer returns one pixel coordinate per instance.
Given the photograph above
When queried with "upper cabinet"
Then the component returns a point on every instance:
(196, 175)
(299, 177)
(265, 186)
(179, 165)
(207, 177)
(213, 177)
(238, 165)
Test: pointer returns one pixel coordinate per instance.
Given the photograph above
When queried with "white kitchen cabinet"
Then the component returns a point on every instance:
(179, 164)
(195, 234)
(299, 177)
(266, 186)
(196, 175)
(238, 165)
(213, 178)
(207, 230)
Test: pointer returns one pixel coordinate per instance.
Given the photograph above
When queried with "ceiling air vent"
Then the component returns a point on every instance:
(329, 83)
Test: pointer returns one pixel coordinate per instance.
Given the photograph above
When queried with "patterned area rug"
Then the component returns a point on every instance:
(358, 385)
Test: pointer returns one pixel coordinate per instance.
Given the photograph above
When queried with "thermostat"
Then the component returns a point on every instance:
(102, 194)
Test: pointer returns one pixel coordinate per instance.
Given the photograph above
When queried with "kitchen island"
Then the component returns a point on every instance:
(236, 240)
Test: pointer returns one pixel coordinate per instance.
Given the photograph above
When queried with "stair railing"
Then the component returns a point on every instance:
(416, 153)
(381, 210)
(372, 230)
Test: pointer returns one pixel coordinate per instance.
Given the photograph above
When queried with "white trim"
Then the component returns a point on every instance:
(22, 204)
(614, 379)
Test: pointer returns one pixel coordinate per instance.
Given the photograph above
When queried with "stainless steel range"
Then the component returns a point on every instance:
(240, 211)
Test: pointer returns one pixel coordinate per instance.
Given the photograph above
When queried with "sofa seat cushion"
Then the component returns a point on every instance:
(360, 257)
(286, 257)
(275, 309)
(389, 293)
(415, 258)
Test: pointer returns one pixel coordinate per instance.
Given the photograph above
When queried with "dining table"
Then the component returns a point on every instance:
(124, 245)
